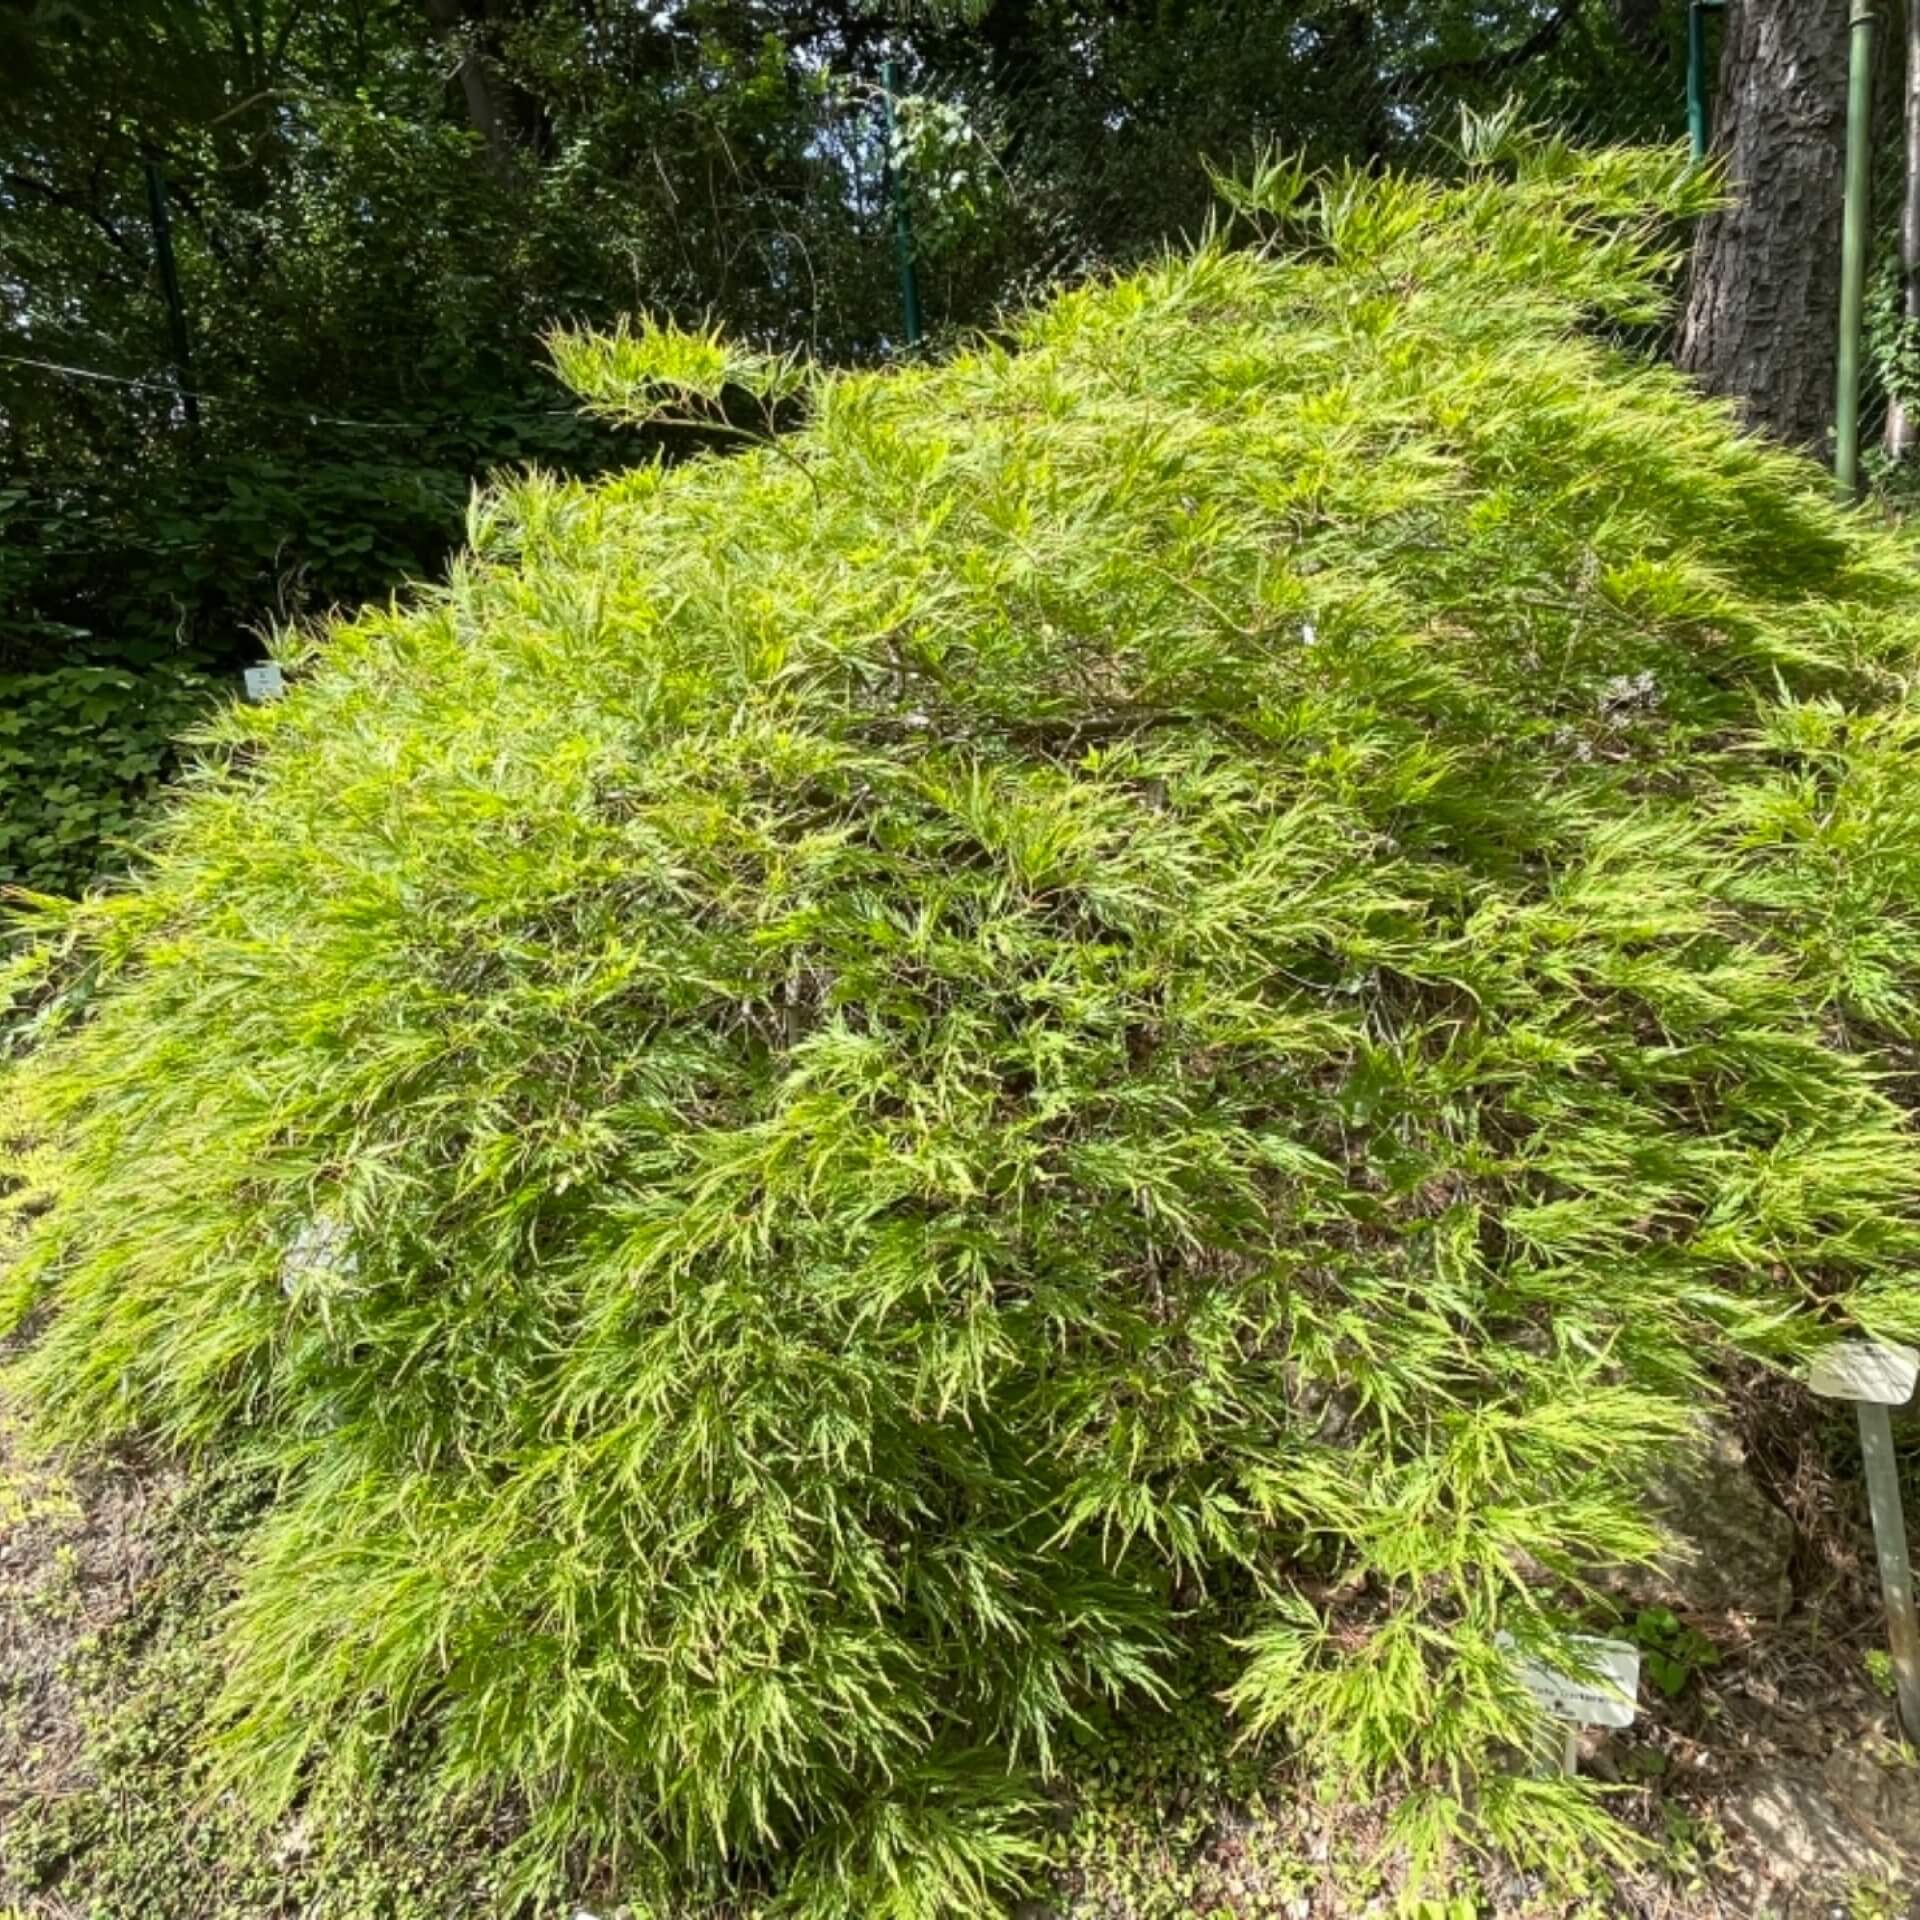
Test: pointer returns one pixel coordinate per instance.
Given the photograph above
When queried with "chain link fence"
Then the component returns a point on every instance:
(1022, 164)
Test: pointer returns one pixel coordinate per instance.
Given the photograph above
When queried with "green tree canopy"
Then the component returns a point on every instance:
(365, 259)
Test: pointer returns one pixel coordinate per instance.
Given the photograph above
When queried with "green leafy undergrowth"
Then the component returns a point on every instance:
(1671, 1652)
(1225, 943)
(83, 748)
(1168, 1814)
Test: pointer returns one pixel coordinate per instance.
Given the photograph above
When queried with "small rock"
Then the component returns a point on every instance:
(1807, 1833)
(1880, 1802)
(1728, 1546)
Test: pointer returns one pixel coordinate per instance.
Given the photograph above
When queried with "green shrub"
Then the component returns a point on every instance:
(1169, 985)
(82, 750)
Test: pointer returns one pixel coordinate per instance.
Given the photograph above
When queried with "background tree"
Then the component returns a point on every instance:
(377, 209)
(1764, 300)
(1903, 309)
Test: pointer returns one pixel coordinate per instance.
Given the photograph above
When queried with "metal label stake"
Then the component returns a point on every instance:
(1876, 1376)
(1602, 1696)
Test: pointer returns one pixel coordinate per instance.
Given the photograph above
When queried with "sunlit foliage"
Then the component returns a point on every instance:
(1178, 979)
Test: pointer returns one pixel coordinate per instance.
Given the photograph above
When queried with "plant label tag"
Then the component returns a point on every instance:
(1877, 1371)
(264, 682)
(321, 1249)
(1606, 1699)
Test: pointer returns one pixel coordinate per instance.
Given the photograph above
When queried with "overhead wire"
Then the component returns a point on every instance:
(69, 371)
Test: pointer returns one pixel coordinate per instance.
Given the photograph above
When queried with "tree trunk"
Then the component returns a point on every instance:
(1763, 307)
(1903, 411)
(447, 18)
(1357, 65)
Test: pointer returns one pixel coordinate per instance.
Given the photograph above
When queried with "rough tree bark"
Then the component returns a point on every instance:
(1763, 306)
(1903, 414)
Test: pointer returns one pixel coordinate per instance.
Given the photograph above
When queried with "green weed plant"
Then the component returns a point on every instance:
(1173, 983)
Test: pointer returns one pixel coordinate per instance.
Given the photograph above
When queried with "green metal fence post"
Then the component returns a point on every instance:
(902, 224)
(1853, 247)
(1699, 120)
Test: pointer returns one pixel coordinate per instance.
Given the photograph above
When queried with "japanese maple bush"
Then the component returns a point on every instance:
(1177, 982)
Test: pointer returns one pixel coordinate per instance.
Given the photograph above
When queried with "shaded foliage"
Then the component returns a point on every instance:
(83, 748)
(376, 210)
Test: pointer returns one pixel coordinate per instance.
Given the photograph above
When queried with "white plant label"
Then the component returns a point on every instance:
(1604, 1700)
(264, 682)
(320, 1249)
(1876, 1371)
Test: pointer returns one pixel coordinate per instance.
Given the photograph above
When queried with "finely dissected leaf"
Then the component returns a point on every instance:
(1220, 947)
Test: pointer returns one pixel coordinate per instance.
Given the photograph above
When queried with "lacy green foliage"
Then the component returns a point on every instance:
(651, 371)
(82, 749)
(361, 276)
(1213, 952)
